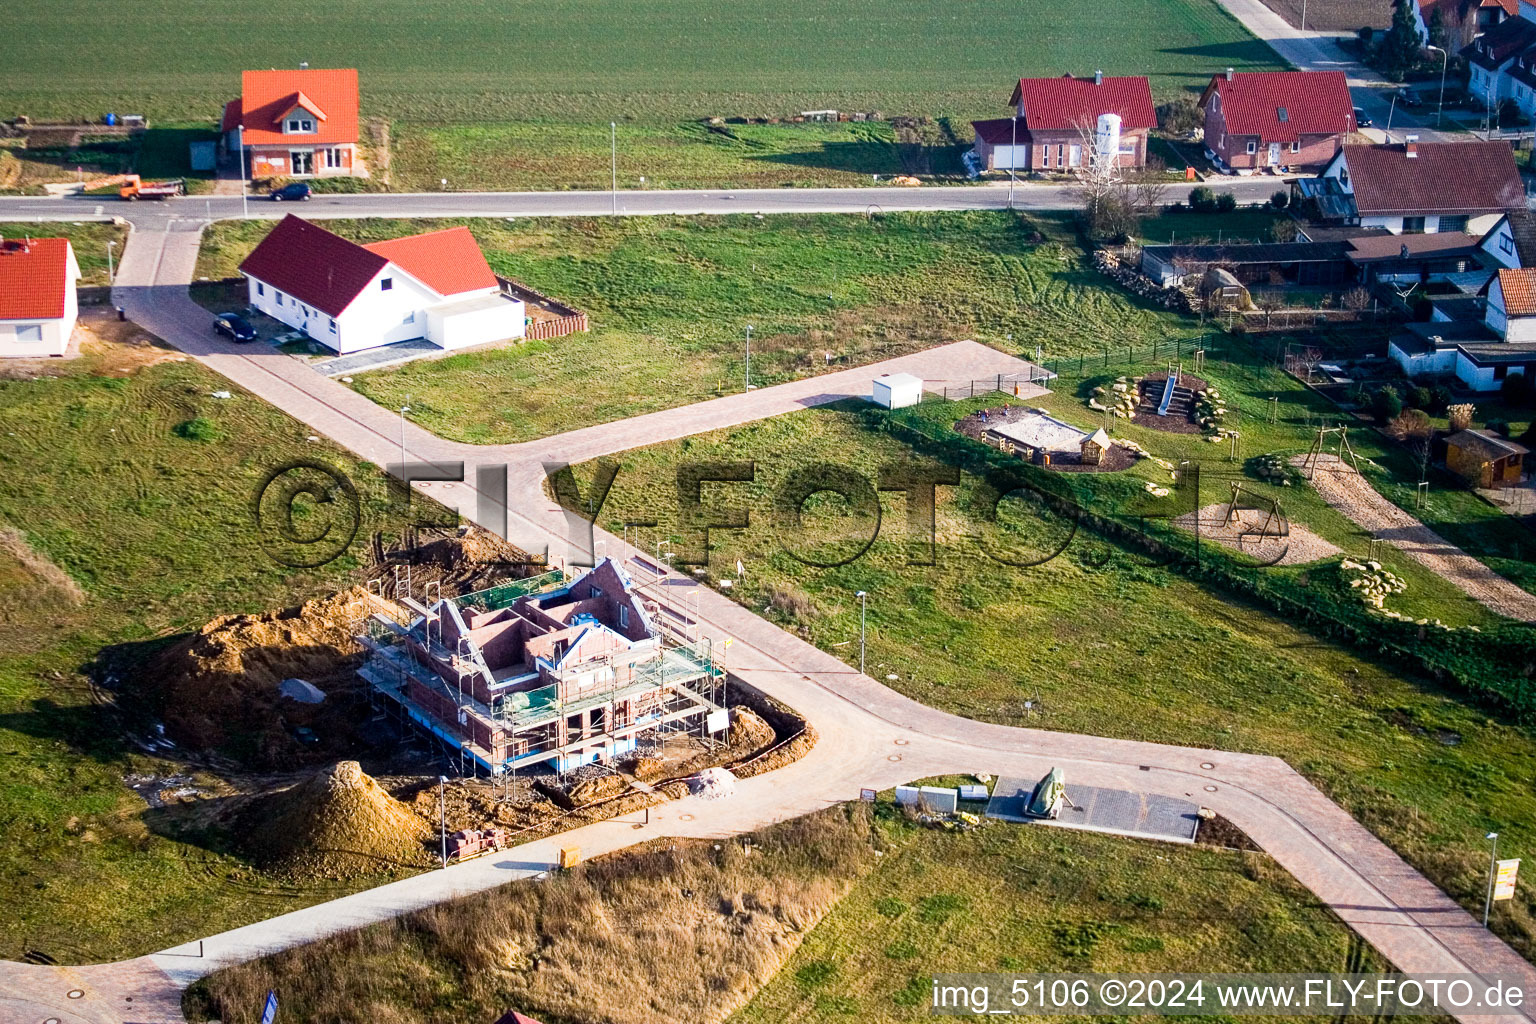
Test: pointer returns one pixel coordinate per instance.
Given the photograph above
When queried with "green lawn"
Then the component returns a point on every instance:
(89, 240)
(602, 60)
(533, 155)
(1248, 225)
(1125, 650)
(1009, 899)
(153, 535)
(670, 298)
(158, 153)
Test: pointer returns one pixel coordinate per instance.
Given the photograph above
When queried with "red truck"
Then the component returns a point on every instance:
(472, 842)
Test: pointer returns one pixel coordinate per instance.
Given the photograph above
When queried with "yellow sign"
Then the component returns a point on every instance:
(1504, 880)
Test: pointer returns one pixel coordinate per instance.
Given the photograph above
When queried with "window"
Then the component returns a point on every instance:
(300, 126)
(1283, 115)
(596, 592)
(386, 284)
(279, 298)
(29, 332)
(1499, 372)
(1253, 147)
(333, 326)
(333, 157)
(1413, 225)
(623, 616)
(1061, 155)
(1457, 223)
(261, 289)
(1296, 146)
(1506, 244)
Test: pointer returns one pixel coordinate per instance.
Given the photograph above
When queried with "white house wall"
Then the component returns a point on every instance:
(1478, 225)
(55, 335)
(1426, 363)
(1478, 378)
(475, 327)
(375, 317)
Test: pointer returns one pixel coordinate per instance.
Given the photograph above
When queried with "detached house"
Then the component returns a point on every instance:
(1501, 63)
(1282, 121)
(1481, 344)
(295, 123)
(1064, 123)
(1409, 188)
(1454, 23)
(37, 296)
(351, 297)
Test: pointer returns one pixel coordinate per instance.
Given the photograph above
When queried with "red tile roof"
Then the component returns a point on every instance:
(1067, 103)
(326, 271)
(311, 264)
(449, 262)
(1281, 106)
(1468, 178)
(266, 96)
(1519, 288)
(34, 276)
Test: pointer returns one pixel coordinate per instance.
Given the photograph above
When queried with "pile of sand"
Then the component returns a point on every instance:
(459, 564)
(337, 823)
(222, 683)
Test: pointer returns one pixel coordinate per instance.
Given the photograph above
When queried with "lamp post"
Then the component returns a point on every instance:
(405, 477)
(613, 161)
(1390, 111)
(245, 205)
(746, 384)
(1013, 154)
(1440, 107)
(110, 274)
(1493, 861)
(442, 816)
(863, 597)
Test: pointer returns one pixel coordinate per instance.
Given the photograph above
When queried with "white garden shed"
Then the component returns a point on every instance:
(897, 390)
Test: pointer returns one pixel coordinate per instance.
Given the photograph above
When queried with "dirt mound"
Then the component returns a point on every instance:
(220, 686)
(336, 824)
(458, 563)
(749, 733)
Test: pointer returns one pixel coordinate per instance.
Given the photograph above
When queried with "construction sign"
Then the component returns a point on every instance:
(1504, 879)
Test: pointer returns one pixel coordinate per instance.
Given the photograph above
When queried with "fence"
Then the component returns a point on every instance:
(542, 330)
(568, 319)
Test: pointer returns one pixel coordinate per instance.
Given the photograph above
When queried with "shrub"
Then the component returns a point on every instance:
(1386, 403)
(1439, 398)
(1202, 200)
(1179, 115)
(1460, 415)
(1418, 397)
(1409, 424)
(1516, 389)
(199, 429)
(1226, 202)
(1498, 427)
(1280, 200)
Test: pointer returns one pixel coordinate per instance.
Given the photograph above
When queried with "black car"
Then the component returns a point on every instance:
(1361, 120)
(293, 192)
(235, 326)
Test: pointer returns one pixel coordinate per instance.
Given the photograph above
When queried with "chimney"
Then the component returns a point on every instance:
(1229, 74)
(1098, 77)
(1411, 147)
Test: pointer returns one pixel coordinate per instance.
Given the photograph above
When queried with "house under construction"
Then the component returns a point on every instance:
(514, 677)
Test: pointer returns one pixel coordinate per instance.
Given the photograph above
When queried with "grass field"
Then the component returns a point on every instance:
(1125, 650)
(874, 904)
(88, 238)
(670, 298)
(597, 61)
(118, 529)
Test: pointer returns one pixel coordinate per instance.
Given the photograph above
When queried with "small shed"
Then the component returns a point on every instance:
(1094, 446)
(897, 390)
(202, 156)
(1485, 459)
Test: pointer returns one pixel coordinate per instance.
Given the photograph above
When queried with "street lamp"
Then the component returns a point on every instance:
(442, 816)
(747, 378)
(1440, 107)
(1493, 860)
(863, 597)
(1390, 111)
(245, 206)
(613, 158)
(405, 477)
(110, 274)
(1013, 155)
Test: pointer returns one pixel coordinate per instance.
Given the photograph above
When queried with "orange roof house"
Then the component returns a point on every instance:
(37, 295)
(295, 123)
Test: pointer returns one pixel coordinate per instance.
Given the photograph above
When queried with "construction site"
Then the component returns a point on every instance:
(541, 672)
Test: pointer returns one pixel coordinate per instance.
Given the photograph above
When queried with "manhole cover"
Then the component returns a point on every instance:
(51, 1020)
(685, 817)
(902, 743)
(1206, 765)
(894, 757)
(77, 993)
(1210, 789)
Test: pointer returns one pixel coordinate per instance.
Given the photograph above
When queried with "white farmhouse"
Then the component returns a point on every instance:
(1410, 188)
(38, 305)
(351, 297)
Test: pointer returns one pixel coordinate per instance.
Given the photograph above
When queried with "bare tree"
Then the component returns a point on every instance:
(1413, 428)
(1356, 298)
(1303, 361)
(1269, 300)
(1149, 186)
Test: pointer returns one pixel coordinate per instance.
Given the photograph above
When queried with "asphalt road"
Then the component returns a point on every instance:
(1033, 196)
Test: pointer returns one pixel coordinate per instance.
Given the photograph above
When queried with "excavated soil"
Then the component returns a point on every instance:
(336, 824)
(220, 686)
(459, 564)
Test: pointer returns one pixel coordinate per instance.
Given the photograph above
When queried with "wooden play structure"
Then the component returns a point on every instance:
(1274, 527)
(1315, 453)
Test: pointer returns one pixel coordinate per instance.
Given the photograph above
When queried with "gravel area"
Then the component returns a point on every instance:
(1347, 491)
(1300, 546)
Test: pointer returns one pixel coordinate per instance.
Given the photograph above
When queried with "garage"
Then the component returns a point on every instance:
(475, 321)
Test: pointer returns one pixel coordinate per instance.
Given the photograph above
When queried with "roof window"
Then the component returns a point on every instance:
(1283, 114)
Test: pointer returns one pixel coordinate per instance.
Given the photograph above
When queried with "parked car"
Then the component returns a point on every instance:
(1409, 97)
(234, 326)
(1361, 120)
(293, 191)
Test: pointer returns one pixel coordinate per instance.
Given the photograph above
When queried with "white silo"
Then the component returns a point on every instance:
(1107, 140)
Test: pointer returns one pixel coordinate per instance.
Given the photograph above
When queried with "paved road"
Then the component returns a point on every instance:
(1032, 196)
(869, 734)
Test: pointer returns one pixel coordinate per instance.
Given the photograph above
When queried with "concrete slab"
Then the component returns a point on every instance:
(1115, 811)
(377, 358)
